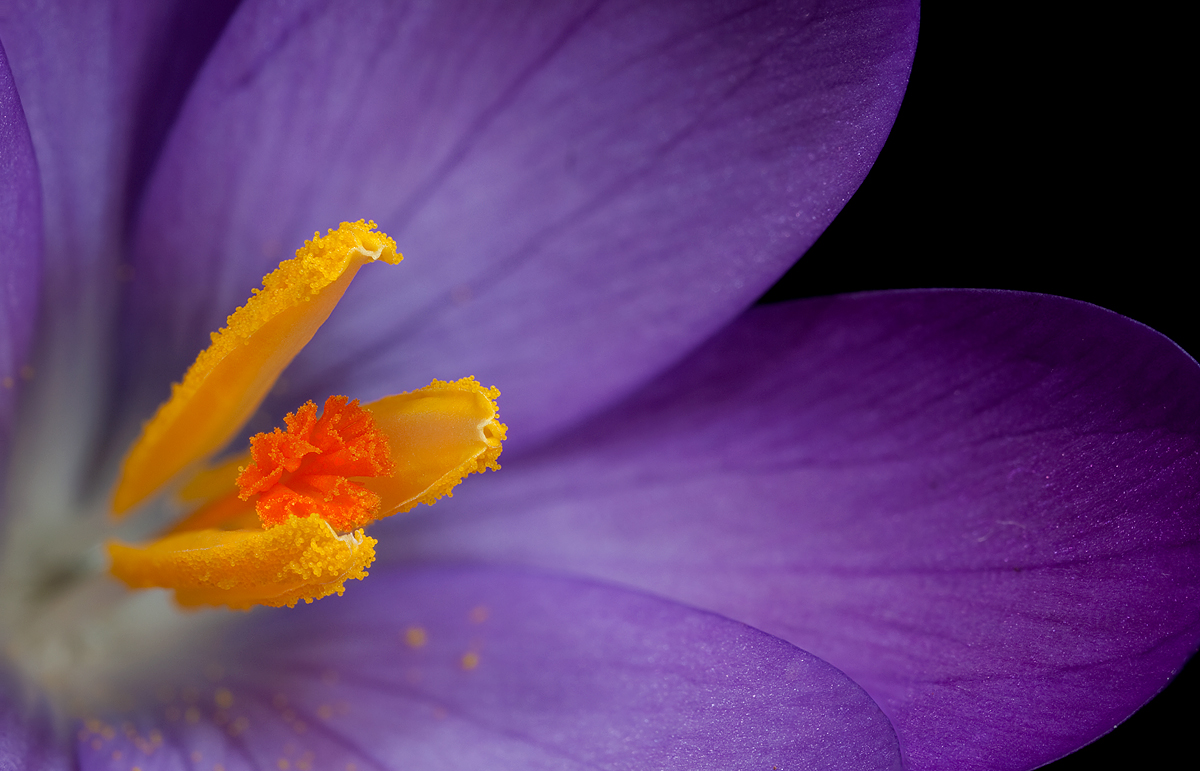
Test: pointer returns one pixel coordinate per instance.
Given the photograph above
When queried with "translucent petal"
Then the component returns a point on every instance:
(449, 669)
(585, 190)
(979, 505)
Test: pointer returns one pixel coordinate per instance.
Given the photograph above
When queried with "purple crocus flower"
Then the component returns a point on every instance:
(929, 530)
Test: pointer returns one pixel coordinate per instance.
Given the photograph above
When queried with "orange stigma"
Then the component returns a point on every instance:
(306, 470)
(282, 522)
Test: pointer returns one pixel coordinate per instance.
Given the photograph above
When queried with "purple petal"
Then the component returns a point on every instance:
(465, 668)
(979, 505)
(99, 82)
(584, 190)
(20, 247)
(26, 737)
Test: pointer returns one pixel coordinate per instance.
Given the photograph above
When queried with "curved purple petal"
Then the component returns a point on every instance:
(981, 506)
(20, 248)
(27, 739)
(585, 190)
(99, 82)
(448, 668)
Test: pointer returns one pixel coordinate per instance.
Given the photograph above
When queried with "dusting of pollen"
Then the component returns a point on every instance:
(301, 559)
(230, 699)
(470, 446)
(415, 637)
(285, 522)
(317, 265)
(230, 378)
(282, 522)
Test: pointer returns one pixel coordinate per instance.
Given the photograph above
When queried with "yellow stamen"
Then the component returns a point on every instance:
(272, 526)
(438, 435)
(301, 559)
(230, 379)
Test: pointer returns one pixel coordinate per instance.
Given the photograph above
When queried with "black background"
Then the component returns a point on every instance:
(1037, 151)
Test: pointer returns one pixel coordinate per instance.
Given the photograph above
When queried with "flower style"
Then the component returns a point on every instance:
(929, 530)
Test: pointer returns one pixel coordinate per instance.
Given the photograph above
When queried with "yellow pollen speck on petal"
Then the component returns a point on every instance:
(470, 661)
(301, 559)
(415, 637)
(230, 378)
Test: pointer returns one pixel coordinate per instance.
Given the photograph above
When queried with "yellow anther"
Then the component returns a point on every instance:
(301, 559)
(272, 527)
(229, 380)
(439, 434)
